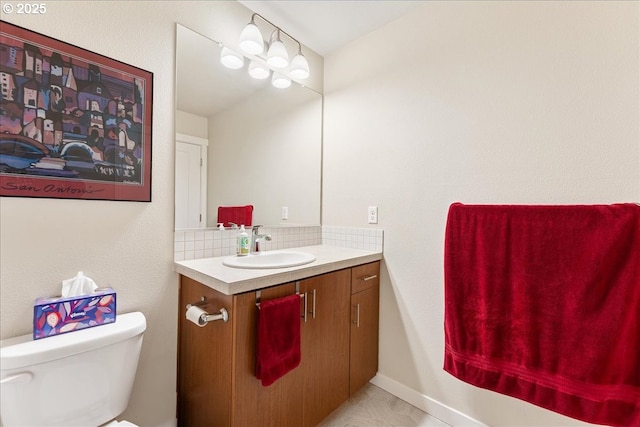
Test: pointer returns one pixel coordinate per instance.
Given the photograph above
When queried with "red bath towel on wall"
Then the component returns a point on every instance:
(542, 303)
(278, 338)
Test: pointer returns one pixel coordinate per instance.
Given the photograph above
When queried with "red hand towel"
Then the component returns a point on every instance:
(542, 303)
(239, 215)
(278, 338)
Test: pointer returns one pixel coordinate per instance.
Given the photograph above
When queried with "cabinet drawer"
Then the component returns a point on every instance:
(365, 276)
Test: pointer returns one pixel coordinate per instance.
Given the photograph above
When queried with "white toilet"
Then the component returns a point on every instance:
(82, 378)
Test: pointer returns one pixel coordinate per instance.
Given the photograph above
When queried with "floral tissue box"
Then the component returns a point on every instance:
(58, 315)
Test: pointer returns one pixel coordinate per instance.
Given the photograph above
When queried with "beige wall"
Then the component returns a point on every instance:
(478, 102)
(191, 124)
(125, 245)
(266, 151)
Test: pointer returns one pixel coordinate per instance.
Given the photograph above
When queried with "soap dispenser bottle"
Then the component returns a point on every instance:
(243, 242)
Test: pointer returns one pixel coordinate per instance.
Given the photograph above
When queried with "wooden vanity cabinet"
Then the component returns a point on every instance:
(216, 363)
(325, 344)
(204, 360)
(279, 404)
(365, 306)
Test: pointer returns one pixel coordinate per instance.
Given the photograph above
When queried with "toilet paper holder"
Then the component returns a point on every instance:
(206, 317)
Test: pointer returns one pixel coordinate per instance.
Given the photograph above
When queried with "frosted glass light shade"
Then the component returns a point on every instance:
(231, 59)
(299, 67)
(251, 40)
(277, 55)
(280, 81)
(258, 71)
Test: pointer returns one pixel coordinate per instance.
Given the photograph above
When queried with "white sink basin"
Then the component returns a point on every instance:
(270, 259)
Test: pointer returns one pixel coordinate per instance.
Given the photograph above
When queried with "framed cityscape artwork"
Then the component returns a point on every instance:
(73, 124)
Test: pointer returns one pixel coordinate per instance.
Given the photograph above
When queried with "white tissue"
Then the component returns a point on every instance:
(79, 285)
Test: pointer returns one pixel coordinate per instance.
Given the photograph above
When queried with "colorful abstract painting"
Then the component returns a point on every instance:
(73, 123)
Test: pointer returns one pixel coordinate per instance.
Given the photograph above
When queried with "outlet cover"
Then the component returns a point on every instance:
(372, 215)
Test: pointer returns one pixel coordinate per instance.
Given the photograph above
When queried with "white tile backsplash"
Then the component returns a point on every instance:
(355, 238)
(207, 243)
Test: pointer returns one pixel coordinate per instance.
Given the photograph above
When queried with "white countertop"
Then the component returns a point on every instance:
(229, 281)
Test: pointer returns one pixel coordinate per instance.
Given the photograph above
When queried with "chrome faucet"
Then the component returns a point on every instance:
(256, 239)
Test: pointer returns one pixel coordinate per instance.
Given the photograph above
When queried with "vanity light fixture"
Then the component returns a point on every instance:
(251, 40)
(252, 43)
(299, 66)
(258, 71)
(231, 59)
(277, 55)
(280, 81)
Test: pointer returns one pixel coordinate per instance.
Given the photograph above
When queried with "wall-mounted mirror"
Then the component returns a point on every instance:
(263, 144)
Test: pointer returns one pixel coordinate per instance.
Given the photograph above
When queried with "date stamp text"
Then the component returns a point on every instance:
(25, 8)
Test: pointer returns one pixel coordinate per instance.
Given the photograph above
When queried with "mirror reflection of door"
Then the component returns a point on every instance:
(191, 182)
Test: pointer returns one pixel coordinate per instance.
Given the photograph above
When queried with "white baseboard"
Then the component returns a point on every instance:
(431, 406)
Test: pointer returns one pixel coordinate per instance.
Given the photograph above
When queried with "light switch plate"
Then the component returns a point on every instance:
(285, 212)
(373, 214)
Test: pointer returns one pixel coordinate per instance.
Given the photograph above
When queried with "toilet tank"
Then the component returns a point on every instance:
(82, 378)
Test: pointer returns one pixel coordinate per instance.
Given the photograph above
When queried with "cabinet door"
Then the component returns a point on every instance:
(204, 360)
(364, 338)
(364, 325)
(325, 344)
(278, 405)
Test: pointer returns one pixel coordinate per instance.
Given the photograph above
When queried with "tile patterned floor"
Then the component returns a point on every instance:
(374, 407)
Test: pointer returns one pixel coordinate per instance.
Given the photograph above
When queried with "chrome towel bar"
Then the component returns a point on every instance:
(302, 297)
(258, 297)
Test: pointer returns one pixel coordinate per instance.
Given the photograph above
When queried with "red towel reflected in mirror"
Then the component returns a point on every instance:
(238, 215)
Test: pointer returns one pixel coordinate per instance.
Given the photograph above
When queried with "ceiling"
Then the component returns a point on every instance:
(327, 25)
